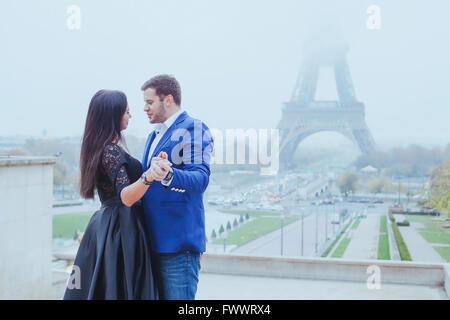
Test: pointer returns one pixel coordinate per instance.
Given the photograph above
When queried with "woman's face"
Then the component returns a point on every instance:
(125, 119)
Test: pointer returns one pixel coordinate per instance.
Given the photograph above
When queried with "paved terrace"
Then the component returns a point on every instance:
(226, 276)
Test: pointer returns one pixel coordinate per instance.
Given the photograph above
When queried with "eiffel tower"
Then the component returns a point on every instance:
(303, 116)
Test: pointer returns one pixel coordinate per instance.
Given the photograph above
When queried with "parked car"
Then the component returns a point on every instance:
(336, 219)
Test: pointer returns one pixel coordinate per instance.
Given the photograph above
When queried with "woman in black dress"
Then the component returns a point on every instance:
(113, 260)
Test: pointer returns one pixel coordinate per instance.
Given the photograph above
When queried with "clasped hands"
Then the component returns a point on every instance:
(159, 167)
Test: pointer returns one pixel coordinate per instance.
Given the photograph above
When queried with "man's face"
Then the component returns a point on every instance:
(154, 107)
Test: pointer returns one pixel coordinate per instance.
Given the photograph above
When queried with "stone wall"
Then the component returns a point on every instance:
(26, 227)
(393, 272)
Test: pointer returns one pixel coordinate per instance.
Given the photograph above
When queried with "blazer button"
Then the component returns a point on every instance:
(172, 189)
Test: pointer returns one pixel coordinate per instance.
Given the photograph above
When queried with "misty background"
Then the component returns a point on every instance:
(236, 61)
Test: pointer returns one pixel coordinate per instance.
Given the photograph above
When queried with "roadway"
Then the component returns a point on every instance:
(316, 228)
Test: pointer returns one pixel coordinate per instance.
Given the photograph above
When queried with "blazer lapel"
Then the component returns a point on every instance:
(150, 139)
(168, 133)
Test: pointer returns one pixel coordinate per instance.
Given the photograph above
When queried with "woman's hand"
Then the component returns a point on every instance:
(159, 167)
(157, 171)
(149, 175)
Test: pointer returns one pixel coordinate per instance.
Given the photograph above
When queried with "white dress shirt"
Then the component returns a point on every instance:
(160, 130)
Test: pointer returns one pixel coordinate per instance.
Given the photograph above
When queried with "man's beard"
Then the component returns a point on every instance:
(160, 116)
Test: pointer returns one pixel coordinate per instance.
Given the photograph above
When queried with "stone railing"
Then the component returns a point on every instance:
(406, 272)
(395, 272)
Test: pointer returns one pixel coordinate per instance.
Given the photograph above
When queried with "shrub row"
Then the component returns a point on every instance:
(402, 248)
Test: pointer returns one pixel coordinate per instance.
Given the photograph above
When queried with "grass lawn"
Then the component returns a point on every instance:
(444, 252)
(65, 225)
(383, 225)
(432, 231)
(401, 245)
(383, 247)
(254, 229)
(339, 252)
(327, 252)
(251, 213)
(356, 224)
(436, 237)
(383, 240)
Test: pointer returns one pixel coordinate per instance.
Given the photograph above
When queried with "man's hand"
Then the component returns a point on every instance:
(160, 166)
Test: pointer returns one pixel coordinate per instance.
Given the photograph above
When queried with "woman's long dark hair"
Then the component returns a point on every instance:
(103, 126)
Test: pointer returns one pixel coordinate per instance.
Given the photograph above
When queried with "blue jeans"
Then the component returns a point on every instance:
(177, 274)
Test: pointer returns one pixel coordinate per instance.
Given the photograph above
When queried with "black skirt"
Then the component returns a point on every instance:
(113, 260)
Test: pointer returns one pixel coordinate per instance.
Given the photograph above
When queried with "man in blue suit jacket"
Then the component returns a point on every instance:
(173, 204)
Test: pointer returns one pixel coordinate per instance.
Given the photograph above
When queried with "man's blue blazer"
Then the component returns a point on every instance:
(175, 215)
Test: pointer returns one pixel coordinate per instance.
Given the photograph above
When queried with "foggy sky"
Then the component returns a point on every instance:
(237, 61)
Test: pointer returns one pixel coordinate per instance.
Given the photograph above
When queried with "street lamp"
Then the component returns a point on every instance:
(303, 215)
(281, 249)
(317, 234)
(334, 226)
(286, 212)
(407, 194)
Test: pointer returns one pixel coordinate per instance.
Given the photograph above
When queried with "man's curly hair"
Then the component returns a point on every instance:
(164, 85)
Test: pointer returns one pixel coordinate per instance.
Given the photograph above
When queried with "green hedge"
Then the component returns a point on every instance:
(402, 248)
(391, 217)
(404, 223)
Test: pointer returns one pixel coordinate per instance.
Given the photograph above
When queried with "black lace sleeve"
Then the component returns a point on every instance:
(121, 180)
(114, 163)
